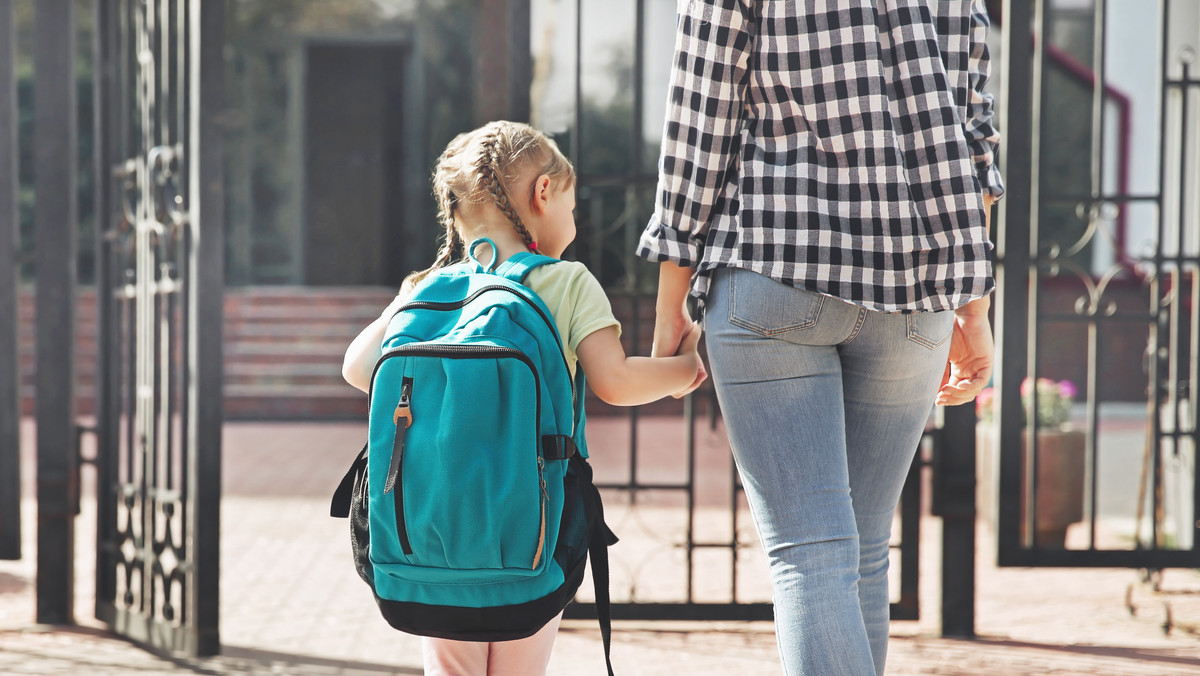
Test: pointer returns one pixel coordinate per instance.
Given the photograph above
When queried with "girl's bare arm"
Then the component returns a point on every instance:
(628, 381)
(366, 349)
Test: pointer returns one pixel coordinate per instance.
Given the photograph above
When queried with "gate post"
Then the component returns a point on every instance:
(10, 395)
(1015, 230)
(954, 501)
(207, 308)
(55, 221)
(105, 135)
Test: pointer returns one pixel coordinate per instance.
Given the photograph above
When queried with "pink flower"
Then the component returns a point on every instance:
(984, 404)
(985, 398)
(1053, 401)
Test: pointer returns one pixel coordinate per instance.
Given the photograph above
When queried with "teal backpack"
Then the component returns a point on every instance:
(472, 508)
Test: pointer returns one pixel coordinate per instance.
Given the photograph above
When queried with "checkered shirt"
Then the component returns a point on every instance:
(842, 146)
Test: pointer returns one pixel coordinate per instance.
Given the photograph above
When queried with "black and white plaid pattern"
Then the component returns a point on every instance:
(842, 146)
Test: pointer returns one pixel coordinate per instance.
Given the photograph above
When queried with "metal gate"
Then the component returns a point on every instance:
(1099, 257)
(159, 290)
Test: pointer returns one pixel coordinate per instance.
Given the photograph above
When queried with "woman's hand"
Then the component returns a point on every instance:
(670, 328)
(971, 348)
(673, 328)
(690, 345)
(971, 355)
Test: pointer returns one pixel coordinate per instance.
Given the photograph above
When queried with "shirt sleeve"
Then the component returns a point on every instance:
(592, 310)
(576, 300)
(982, 137)
(700, 137)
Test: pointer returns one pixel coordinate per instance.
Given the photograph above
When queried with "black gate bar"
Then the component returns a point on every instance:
(1019, 223)
(55, 221)
(106, 127)
(10, 403)
(205, 309)
(954, 501)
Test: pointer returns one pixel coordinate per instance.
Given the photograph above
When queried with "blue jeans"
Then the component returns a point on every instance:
(825, 404)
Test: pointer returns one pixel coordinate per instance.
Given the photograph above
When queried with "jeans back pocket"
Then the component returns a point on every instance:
(930, 329)
(769, 308)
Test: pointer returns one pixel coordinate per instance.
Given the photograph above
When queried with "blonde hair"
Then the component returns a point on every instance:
(480, 168)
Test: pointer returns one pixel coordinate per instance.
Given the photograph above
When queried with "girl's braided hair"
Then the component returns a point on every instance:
(480, 169)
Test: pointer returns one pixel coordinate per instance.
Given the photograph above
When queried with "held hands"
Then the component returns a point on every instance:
(679, 335)
(971, 355)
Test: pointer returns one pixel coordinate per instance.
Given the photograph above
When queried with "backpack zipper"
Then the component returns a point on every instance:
(462, 352)
(543, 498)
(444, 306)
(395, 476)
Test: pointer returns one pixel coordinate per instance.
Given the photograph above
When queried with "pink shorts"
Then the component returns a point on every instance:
(523, 657)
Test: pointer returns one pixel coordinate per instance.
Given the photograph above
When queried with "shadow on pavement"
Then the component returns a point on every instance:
(40, 649)
(239, 660)
(1156, 655)
(12, 584)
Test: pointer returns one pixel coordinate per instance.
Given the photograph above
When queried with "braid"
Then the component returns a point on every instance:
(487, 164)
(446, 253)
(450, 244)
(445, 257)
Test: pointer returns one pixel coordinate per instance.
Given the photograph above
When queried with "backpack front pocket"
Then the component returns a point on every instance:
(469, 472)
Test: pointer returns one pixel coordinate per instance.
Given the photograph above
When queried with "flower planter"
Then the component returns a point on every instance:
(1062, 458)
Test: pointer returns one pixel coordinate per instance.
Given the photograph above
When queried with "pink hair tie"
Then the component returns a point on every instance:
(533, 246)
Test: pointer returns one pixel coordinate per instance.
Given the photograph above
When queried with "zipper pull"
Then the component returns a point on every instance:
(403, 412)
(403, 408)
(542, 476)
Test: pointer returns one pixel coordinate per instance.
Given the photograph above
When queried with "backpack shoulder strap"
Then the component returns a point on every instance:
(600, 539)
(580, 412)
(520, 264)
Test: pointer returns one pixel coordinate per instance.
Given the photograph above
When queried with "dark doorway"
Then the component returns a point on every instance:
(353, 165)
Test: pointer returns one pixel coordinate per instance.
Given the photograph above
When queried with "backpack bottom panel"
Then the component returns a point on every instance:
(471, 589)
(497, 623)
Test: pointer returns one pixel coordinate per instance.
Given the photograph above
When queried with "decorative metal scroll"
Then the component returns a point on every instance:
(1101, 278)
(152, 569)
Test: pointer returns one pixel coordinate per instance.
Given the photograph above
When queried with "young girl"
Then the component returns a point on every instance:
(510, 183)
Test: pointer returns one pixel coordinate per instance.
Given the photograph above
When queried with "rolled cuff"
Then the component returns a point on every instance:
(661, 243)
(990, 180)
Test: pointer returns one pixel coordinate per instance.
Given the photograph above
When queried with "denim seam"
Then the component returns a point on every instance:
(862, 319)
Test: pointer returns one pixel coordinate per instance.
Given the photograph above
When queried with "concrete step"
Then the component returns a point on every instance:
(288, 375)
(310, 402)
(284, 348)
(297, 332)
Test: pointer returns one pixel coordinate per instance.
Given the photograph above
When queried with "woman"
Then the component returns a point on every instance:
(825, 178)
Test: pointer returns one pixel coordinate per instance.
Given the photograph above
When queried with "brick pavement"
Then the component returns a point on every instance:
(292, 604)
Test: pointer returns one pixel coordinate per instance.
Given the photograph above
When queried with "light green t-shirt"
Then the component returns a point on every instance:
(575, 298)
